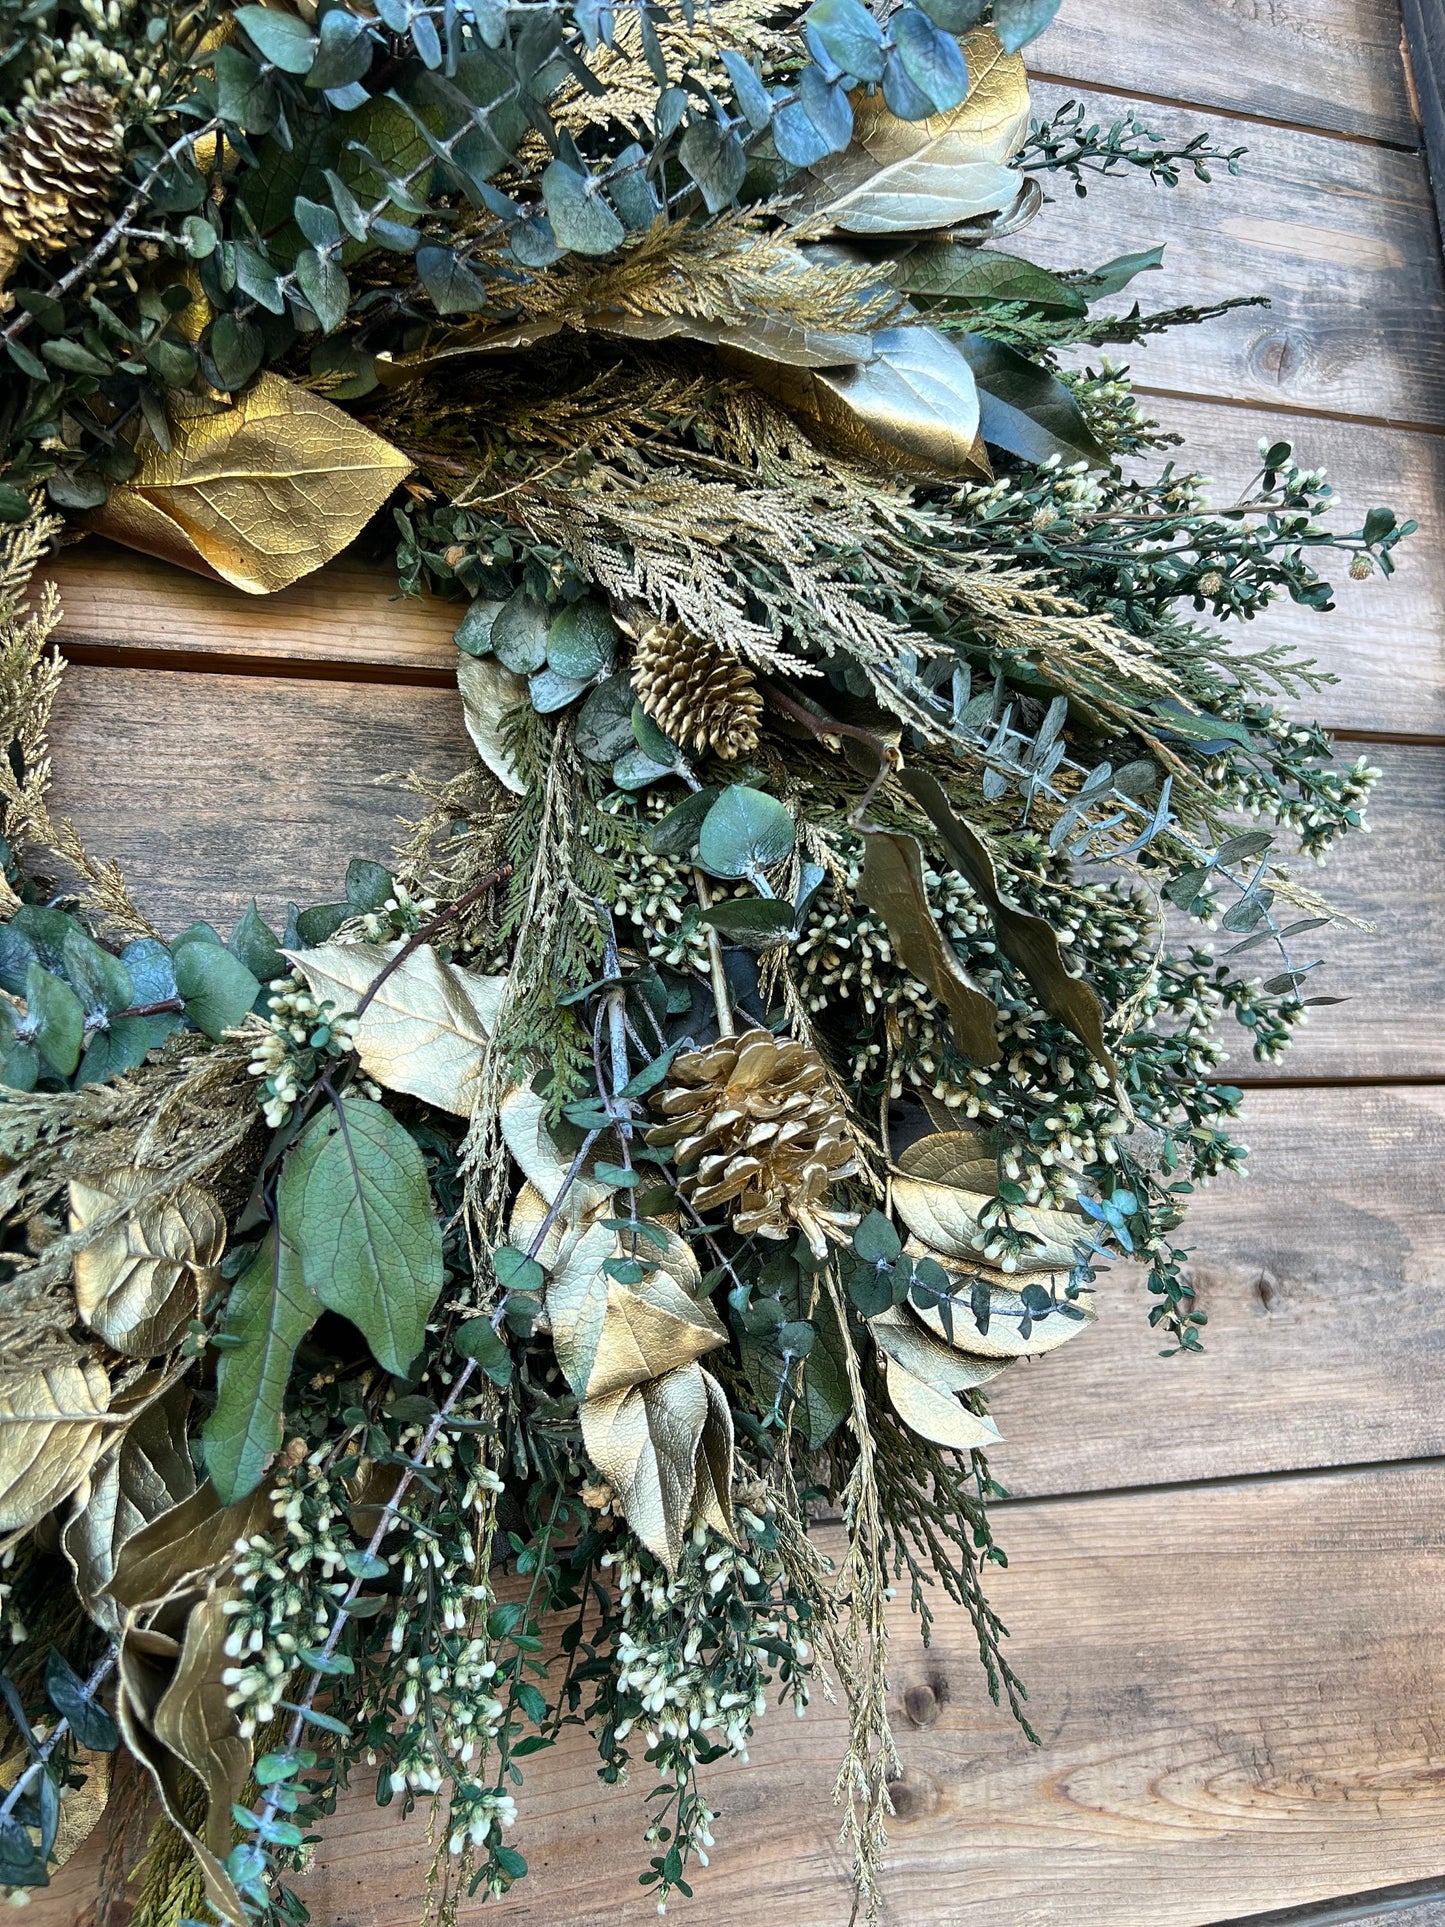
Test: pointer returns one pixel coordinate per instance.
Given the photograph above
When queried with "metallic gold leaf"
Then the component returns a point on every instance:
(646, 1441)
(891, 882)
(257, 493)
(772, 340)
(1030, 943)
(944, 1218)
(899, 1337)
(185, 1546)
(193, 1721)
(897, 176)
(140, 1283)
(1004, 1339)
(963, 1158)
(489, 689)
(934, 1414)
(646, 1330)
(523, 1118)
(426, 1028)
(54, 1424)
(712, 1502)
(462, 343)
(913, 408)
(152, 1648)
(146, 1474)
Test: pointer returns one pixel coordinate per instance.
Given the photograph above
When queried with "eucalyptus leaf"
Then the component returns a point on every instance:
(217, 988)
(745, 831)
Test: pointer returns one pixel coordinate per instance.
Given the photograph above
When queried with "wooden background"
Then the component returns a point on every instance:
(1227, 1587)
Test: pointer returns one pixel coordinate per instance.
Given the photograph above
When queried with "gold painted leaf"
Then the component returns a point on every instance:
(193, 1721)
(1030, 943)
(54, 1424)
(936, 1415)
(523, 1118)
(152, 1647)
(140, 1283)
(712, 1501)
(899, 1337)
(1003, 1339)
(898, 176)
(891, 882)
(426, 1028)
(257, 493)
(913, 408)
(489, 689)
(148, 1473)
(944, 1218)
(185, 1546)
(646, 1330)
(646, 1441)
(963, 1158)
(771, 339)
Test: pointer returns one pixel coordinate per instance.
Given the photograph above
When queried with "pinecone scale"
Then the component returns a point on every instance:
(59, 165)
(698, 694)
(752, 1121)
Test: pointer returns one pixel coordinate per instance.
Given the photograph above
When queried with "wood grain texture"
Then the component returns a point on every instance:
(210, 789)
(1323, 1274)
(1385, 640)
(1340, 235)
(1238, 1693)
(1320, 63)
(350, 612)
(1425, 51)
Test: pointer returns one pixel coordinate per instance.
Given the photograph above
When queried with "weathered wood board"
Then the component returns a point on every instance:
(1233, 1650)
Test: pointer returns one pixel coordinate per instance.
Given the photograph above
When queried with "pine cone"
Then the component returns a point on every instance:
(696, 693)
(58, 168)
(752, 1118)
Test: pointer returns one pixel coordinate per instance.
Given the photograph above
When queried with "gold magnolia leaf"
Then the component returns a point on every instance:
(1030, 943)
(184, 1546)
(489, 689)
(193, 1721)
(912, 408)
(944, 1217)
(891, 882)
(963, 1158)
(55, 1422)
(462, 343)
(426, 1028)
(936, 1415)
(897, 176)
(712, 1501)
(146, 1474)
(899, 1337)
(646, 1441)
(258, 492)
(1004, 1339)
(523, 1118)
(141, 1282)
(152, 1648)
(771, 339)
(646, 1331)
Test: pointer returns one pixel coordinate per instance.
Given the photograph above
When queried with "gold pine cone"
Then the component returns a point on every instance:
(753, 1119)
(58, 168)
(696, 693)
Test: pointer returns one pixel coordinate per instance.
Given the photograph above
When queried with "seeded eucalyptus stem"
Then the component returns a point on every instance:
(92, 1686)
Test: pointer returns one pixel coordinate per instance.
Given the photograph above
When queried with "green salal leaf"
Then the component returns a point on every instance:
(941, 272)
(1029, 942)
(269, 1312)
(1025, 409)
(355, 1205)
(757, 923)
(891, 882)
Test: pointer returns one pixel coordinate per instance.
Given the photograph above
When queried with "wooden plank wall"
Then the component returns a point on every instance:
(1228, 1575)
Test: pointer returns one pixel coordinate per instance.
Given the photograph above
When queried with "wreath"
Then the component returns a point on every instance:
(439, 1323)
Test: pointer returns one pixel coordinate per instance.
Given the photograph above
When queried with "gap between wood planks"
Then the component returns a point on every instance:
(1212, 1482)
(1217, 111)
(1259, 405)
